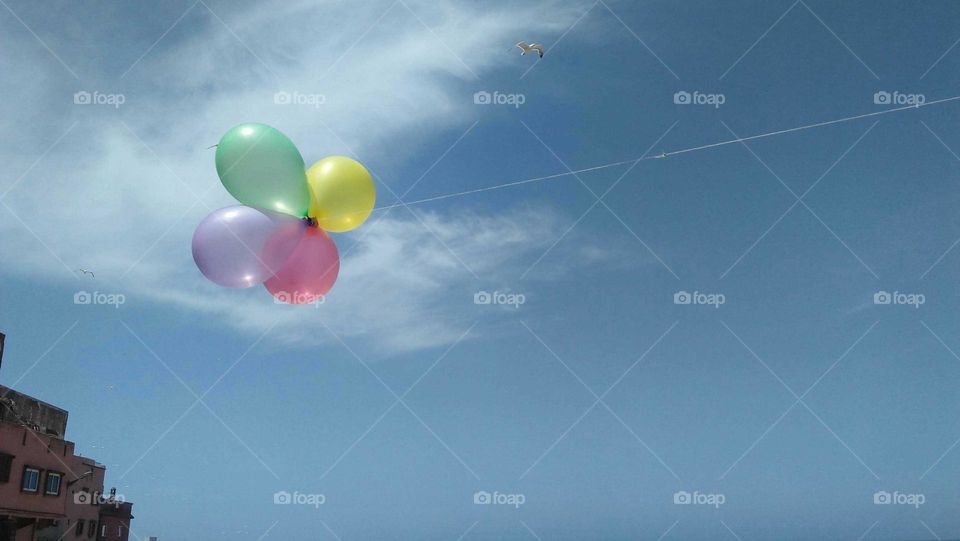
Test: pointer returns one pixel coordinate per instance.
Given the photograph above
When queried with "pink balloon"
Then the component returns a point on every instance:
(309, 272)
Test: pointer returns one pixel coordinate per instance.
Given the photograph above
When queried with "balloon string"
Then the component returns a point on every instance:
(671, 153)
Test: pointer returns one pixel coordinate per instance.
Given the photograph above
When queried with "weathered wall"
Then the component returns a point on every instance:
(51, 419)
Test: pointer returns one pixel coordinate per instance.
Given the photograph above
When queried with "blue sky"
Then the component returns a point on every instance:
(598, 399)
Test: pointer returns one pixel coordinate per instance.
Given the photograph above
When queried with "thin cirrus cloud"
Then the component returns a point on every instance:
(399, 289)
(130, 183)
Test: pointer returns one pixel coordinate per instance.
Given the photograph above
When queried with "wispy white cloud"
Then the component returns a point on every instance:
(118, 193)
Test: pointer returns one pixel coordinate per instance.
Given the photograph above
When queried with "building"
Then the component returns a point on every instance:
(34, 461)
(115, 521)
(48, 493)
(83, 500)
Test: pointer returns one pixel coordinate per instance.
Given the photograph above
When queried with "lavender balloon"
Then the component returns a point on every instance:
(242, 246)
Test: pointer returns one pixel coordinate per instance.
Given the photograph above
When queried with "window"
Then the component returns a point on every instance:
(31, 479)
(92, 529)
(79, 530)
(5, 462)
(52, 487)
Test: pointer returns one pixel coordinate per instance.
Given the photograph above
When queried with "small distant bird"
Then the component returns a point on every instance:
(527, 47)
(85, 271)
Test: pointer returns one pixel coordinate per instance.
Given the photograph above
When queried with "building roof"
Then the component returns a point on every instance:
(23, 409)
(117, 509)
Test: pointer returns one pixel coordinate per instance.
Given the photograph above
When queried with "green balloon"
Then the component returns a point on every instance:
(261, 167)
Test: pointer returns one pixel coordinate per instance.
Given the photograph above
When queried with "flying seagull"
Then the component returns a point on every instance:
(526, 48)
(85, 271)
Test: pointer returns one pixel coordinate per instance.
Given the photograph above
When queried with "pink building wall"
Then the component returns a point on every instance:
(46, 453)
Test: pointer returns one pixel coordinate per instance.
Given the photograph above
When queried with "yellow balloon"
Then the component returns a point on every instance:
(341, 193)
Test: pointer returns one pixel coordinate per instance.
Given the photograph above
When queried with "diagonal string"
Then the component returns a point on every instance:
(673, 153)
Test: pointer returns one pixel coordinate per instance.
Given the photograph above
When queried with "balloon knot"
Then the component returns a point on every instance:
(311, 222)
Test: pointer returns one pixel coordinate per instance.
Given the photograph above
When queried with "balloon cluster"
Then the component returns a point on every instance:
(278, 236)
